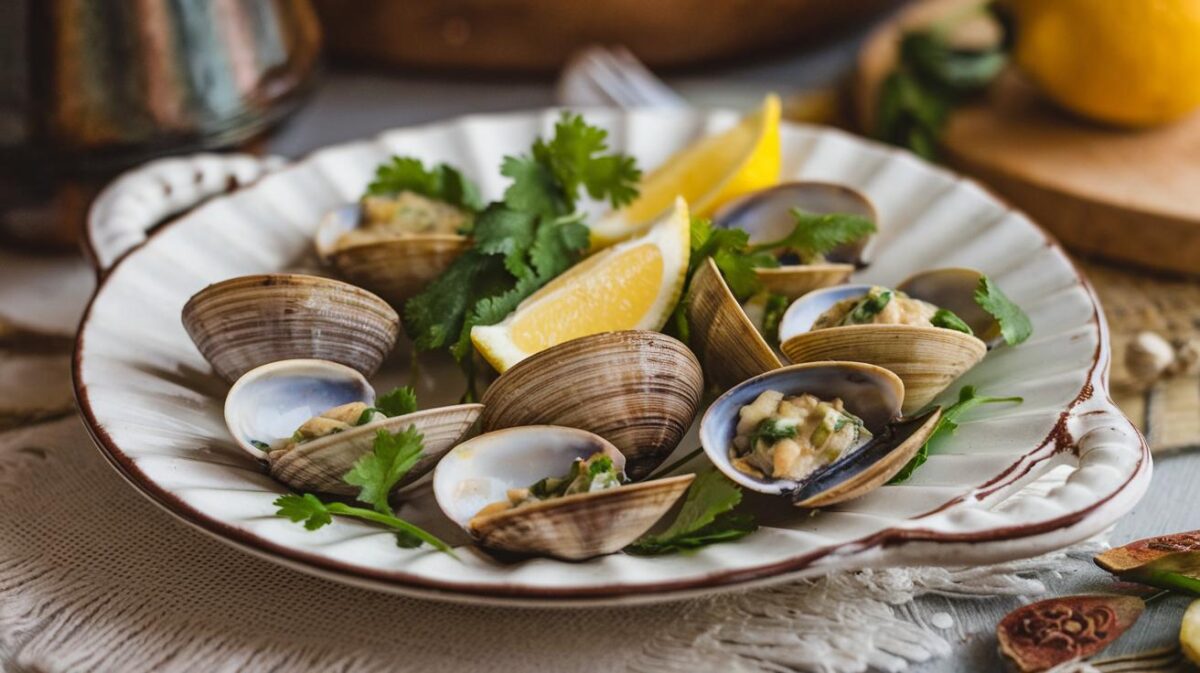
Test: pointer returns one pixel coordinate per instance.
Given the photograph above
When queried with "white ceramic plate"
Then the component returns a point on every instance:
(154, 406)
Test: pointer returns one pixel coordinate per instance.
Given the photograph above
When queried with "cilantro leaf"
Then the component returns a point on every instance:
(441, 182)
(1014, 324)
(375, 473)
(307, 508)
(391, 457)
(947, 319)
(398, 402)
(524, 241)
(705, 518)
(818, 234)
(968, 399)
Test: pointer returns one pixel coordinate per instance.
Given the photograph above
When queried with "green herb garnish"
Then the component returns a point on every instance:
(524, 241)
(441, 182)
(930, 79)
(399, 402)
(946, 425)
(261, 446)
(770, 430)
(868, 307)
(816, 235)
(1014, 324)
(947, 319)
(705, 518)
(391, 457)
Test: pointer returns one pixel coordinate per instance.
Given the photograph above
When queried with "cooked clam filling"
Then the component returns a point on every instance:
(782, 437)
(879, 306)
(333, 421)
(405, 214)
(596, 473)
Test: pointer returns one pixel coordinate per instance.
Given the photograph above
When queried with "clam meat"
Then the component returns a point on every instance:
(820, 433)
(547, 490)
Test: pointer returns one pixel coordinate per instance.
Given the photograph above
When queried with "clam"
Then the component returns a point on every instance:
(266, 406)
(726, 341)
(483, 470)
(766, 216)
(871, 394)
(241, 323)
(396, 267)
(928, 359)
(637, 389)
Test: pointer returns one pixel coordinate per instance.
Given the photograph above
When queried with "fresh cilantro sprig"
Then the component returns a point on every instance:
(816, 235)
(399, 402)
(392, 457)
(441, 182)
(930, 79)
(1015, 326)
(968, 399)
(706, 518)
(525, 240)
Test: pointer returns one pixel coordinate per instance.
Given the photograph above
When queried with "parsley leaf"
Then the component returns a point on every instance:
(441, 182)
(376, 473)
(705, 518)
(391, 457)
(307, 508)
(524, 241)
(968, 399)
(931, 78)
(947, 319)
(398, 402)
(816, 235)
(1014, 324)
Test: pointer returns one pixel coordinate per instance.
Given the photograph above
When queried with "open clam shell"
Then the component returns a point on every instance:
(270, 402)
(953, 289)
(397, 268)
(728, 344)
(638, 389)
(927, 359)
(480, 471)
(872, 393)
(766, 216)
(241, 323)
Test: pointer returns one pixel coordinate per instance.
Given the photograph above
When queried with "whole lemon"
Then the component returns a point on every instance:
(1126, 62)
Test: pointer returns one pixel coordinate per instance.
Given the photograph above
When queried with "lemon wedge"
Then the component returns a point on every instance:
(631, 285)
(1189, 633)
(707, 173)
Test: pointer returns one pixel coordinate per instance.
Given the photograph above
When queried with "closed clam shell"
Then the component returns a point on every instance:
(637, 389)
(927, 359)
(245, 322)
(872, 393)
(396, 269)
(766, 216)
(729, 346)
(320, 464)
(480, 471)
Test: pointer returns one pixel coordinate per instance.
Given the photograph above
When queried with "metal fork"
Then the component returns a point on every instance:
(613, 76)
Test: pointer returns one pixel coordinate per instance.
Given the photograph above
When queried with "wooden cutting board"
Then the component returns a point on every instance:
(1125, 195)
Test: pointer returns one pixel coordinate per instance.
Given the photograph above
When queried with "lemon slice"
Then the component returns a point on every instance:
(707, 173)
(1189, 633)
(631, 285)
